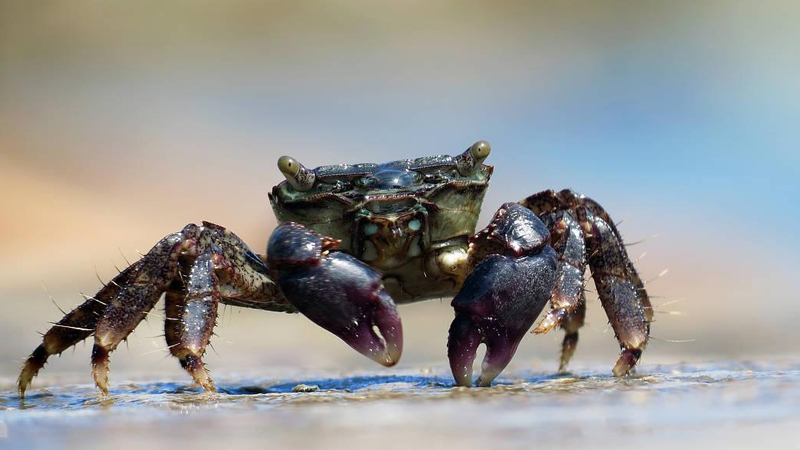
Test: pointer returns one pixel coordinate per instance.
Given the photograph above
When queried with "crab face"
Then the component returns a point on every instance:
(387, 214)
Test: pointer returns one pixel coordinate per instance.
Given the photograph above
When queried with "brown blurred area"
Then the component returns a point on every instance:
(122, 122)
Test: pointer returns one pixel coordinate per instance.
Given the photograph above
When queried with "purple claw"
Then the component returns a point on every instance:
(462, 345)
(337, 292)
(503, 296)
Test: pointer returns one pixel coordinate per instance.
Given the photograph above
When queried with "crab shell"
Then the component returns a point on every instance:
(398, 217)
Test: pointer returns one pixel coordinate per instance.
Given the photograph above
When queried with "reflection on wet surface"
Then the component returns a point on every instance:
(729, 403)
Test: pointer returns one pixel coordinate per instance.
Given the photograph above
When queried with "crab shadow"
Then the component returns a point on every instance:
(77, 396)
(333, 384)
(364, 383)
(345, 384)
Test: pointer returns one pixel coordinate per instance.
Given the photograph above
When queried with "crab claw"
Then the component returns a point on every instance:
(337, 292)
(503, 296)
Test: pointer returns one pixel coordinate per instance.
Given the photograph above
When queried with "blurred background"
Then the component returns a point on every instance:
(120, 122)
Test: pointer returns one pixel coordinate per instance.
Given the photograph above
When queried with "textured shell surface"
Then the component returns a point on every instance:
(392, 215)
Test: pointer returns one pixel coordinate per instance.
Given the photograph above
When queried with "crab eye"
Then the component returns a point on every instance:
(288, 166)
(296, 174)
(469, 161)
(480, 150)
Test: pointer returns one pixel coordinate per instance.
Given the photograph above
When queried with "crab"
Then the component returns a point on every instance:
(354, 241)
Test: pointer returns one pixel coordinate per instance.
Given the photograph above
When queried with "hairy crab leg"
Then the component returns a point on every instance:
(568, 301)
(569, 200)
(571, 324)
(619, 286)
(73, 328)
(113, 313)
(568, 293)
(513, 277)
(136, 298)
(196, 315)
(226, 271)
(192, 299)
(632, 274)
(174, 304)
(618, 294)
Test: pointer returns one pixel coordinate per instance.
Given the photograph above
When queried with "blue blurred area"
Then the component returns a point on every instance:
(689, 108)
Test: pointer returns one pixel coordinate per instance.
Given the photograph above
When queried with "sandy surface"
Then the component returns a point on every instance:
(734, 405)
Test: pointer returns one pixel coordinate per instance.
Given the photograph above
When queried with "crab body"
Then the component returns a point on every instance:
(354, 240)
(409, 219)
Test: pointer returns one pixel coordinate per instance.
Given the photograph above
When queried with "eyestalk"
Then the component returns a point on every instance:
(301, 178)
(472, 158)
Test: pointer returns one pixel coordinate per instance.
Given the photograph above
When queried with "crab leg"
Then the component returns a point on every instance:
(619, 286)
(191, 306)
(201, 266)
(185, 264)
(571, 324)
(617, 292)
(174, 305)
(631, 274)
(568, 301)
(513, 276)
(568, 294)
(226, 271)
(193, 311)
(569, 200)
(135, 299)
(73, 328)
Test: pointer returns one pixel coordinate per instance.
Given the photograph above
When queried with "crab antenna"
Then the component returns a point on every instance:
(472, 158)
(296, 174)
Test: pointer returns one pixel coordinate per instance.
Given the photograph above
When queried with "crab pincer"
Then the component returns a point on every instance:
(336, 291)
(513, 276)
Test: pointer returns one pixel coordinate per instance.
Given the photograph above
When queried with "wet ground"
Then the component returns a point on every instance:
(737, 405)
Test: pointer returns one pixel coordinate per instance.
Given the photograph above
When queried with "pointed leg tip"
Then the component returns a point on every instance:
(100, 375)
(563, 364)
(202, 378)
(100, 368)
(626, 362)
(207, 384)
(568, 346)
(619, 371)
(31, 368)
(25, 379)
(197, 369)
(551, 320)
(21, 388)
